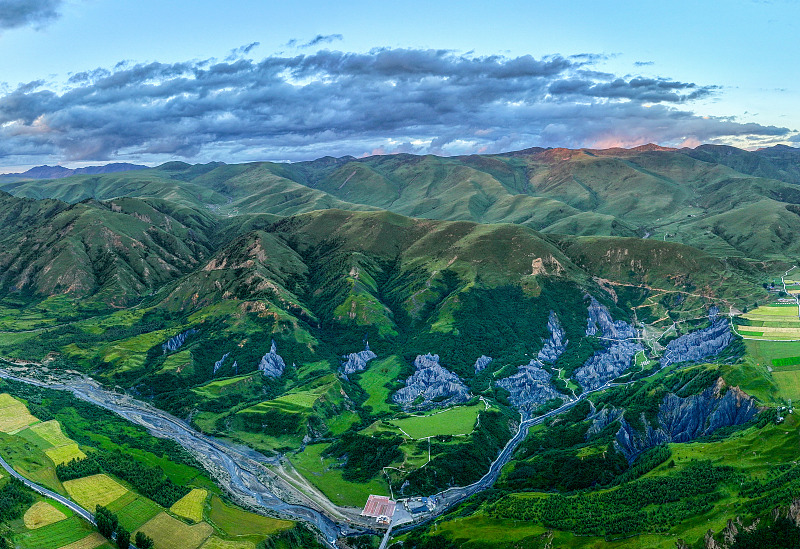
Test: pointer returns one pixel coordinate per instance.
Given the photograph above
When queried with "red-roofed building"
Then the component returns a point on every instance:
(380, 508)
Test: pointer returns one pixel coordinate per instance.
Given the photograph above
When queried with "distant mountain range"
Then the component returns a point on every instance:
(59, 172)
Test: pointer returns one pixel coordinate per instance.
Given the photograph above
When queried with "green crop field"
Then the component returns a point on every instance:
(216, 543)
(56, 535)
(454, 421)
(323, 473)
(134, 510)
(191, 505)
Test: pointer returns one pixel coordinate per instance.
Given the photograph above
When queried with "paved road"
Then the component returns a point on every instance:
(77, 509)
(240, 470)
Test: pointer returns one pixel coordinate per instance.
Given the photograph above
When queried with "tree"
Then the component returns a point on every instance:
(123, 538)
(143, 541)
(106, 521)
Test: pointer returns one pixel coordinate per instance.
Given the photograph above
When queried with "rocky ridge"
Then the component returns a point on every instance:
(530, 387)
(357, 362)
(699, 344)
(621, 348)
(431, 386)
(175, 343)
(272, 364)
(482, 363)
(685, 419)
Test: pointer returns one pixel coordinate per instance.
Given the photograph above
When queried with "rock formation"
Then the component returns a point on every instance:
(482, 363)
(218, 364)
(621, 348)
(175, 343)
(357, 362)
(699, 344)
(431, 386)
(684, 419)
(272, 365)
(530, 387)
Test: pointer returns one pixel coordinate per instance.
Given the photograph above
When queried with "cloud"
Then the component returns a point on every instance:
(337, 103)
(316, 41)
(23, 13)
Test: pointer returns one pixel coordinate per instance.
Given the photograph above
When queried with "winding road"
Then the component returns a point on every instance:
(243, 471)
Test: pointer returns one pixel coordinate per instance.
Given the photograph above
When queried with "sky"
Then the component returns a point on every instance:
(87, 82)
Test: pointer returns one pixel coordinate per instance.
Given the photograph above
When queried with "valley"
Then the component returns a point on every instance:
(519, 342)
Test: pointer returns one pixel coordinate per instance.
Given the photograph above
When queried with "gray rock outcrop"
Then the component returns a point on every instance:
(608, 364)
(600, 321)
(530, 387)
(272, 364)
(431, 386)
(357, 362)
(175, 343)
(555, 345)
(621, 348)
(684, 419)
(699, 344)
(601, 419)
(482, 363)
(218, 364)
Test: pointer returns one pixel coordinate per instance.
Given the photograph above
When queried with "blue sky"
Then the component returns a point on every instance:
(93, 81)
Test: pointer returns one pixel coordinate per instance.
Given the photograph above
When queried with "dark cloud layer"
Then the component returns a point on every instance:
(329, 102)
(23, 13)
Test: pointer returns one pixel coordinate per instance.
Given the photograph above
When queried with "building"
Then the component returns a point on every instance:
(380, 508)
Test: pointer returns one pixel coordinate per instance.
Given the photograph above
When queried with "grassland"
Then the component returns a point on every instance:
(170, 533)
(453, 421)
(374, 379)
(323, 473)
(42, 514)
(89, 492)
(236, 522)
(191, 505)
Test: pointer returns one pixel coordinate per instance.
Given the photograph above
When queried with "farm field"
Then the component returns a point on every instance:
(92, 541)
(59, 534)
(134, 510)
(42, 514)
(89, 492)
(771, 322)
(170, 533)
(217, 543)
(14, 414)
(191, 505)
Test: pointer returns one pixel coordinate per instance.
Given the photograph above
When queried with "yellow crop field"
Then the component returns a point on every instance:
(13, 414)
(191, 505)
(89, 492)
(52, 433)
(41, 514)
(65, 454)
(89, 542)
(217, 543)
(170, 533)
